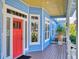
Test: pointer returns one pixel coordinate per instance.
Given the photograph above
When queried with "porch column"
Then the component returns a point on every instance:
(67, 29)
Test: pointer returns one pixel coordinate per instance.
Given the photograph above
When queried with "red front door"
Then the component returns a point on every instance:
(17, 37)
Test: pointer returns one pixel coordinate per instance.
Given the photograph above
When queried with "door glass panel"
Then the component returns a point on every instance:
(26, 34)
(19, 25)
(8, 37)
(15, 25)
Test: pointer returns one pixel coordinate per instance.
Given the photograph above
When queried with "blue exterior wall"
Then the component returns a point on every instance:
(32, 10)
(18, 5)
(53, 29)
(0, 25)
(37, 11)
(61, 22)
(45, 44)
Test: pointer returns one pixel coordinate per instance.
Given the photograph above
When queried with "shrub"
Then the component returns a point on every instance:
(73, 39)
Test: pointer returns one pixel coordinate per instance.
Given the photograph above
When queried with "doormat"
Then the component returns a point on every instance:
(24, 57)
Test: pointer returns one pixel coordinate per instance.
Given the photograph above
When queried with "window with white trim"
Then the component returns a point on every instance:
(8, 37)
(46, 28)
(35, 29)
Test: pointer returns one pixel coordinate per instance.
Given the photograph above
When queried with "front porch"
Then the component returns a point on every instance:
(51, 52)
(37, 25)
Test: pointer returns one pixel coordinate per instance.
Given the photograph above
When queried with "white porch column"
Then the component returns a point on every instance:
(67, 29)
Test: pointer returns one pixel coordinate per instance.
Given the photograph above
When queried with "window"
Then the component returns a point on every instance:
(25, 34)
(53, 28)
(19, 25)
(46, 29)
(34, 29)
(16, 13)
(8, 37)
(16, 25)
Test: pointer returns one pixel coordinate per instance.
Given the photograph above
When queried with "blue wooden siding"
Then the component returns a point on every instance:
(32, 10)
(38, 11)
(17, 4)
(0, 25)
(45, 44)
(53, 28)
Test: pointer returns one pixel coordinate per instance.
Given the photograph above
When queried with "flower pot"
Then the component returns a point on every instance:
(60, 36)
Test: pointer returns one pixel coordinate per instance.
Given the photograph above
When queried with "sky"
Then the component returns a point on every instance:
(73, 18)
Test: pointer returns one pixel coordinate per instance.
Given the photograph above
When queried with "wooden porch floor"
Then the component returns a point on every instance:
(51, 52)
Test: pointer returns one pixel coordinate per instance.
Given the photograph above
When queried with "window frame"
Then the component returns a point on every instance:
(47, 21)
(38, 42)
(4, 30)
(8, 18)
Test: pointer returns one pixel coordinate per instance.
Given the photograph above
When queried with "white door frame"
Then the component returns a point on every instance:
(4, 33)
(11, 25)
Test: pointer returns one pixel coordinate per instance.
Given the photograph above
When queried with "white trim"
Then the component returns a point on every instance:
(4, 30)
(69, 2)
(34, 43)
(46, 22)
(42, 29)
(25, 19)
(10, 37)
(12, 16)
(24, 36)
(12, 8)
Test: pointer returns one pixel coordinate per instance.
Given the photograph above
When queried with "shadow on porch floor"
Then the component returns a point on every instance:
(51, 52)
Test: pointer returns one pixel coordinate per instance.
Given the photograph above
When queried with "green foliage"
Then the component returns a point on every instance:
(34, 37)
(73, 39)
(60, 29)
(72, 29)
(73, 33)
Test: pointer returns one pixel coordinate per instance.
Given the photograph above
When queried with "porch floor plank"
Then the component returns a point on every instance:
(51, 52)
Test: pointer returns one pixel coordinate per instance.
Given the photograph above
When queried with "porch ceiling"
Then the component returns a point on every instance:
(53, 7)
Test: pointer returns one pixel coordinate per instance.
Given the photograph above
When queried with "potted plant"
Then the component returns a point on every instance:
(60, 32)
